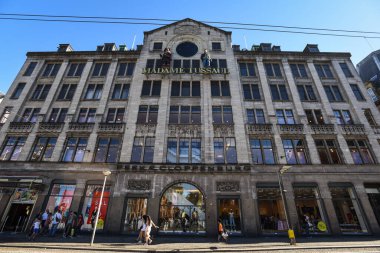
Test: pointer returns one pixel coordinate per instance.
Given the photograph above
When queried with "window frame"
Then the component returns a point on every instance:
(218, 90)
(76, 68)
(109, 146)
(255, 118)
(279, 89)
(77, 147)
(232, 140)
(295, 151)
(262, 149)
(17, 92)
(255, 96)
(223, 114)
(40, 92)
(190, 147)
(53, 71)
(102, 71)
(68, 94)
(15, 146)
(117, 112)
(150, 109)
(142, 155)
(43, 148)
(97, 91)
(124, 89)
(328, 149)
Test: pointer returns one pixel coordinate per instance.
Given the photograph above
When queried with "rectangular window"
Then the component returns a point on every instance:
(61, 196)
(115, 115)
(314, 117)
(157, 46)
(30, 115)
(358, 94)
(185, 115)
(75, 149)
(100, 69)
(12, 148)
(6, 114)
(347, 209)
(298, 70)
(93, 92)
(271, 210)
(273, 69)
(17, 92)
(230, 214)
(247, 69)
(324, 71)
(136, 207)
(143, 150)
(186, 89)
(328, 151)
(107, 150)
(58, 115)
(29, 70)
(333, 93)
(306, 93)
(345, 69)
(255, 116)
(360, 151)
(183, 150)
(151, 88)
(51, 70)
(343, 117)
(126, 69)
(262, 151)
(76, 69)
(220, 88)
(147, 114)
(279, 92)
(295, 151)
(41, 92)
(371, 120)
(225, 150)
(222, 115)
(120, 91)
(251, 92)
(67, 92)
(285, 117)
(216, 46)
(87, 115)
(43, 148)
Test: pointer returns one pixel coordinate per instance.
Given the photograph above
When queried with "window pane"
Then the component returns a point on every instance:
(196, 114)
(146, 88)
(156, 90)
(227, 115)
(176, 86)
(185, 89)
(183, 150)
(243, 69)
(283, 92)
(171, 155)
(247, 91)
(217, 114)
(196, 151)
(225, 88)
(274, 92)
(218, 150)
(196, 89)
(215, 88)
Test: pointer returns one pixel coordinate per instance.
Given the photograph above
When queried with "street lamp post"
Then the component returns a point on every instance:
(290, 229)
(105, 173)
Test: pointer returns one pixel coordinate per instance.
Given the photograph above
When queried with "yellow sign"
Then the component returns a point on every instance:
(291, 234)
(185, 71)
(322, 226)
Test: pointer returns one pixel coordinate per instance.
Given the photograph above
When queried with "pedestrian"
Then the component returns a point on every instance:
(56, 219)
(45, 227)
(93, 216)
(36, 228)
(44, 217)
(149, 224)
(221, 231)
(142, 228)
(79, 224)
(70, 223)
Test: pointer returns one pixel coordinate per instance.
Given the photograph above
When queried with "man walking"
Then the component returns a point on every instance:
(57, 217)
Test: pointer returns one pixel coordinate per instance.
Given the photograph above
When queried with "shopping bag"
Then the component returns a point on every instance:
(72, 232)
(224, 235)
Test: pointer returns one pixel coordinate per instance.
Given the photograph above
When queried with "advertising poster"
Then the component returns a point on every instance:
(92, 206)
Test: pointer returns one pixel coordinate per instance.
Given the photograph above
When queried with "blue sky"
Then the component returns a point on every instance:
(19, 37)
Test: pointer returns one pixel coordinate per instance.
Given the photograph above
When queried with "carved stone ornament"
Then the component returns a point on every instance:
(187, 29)
(138, 185)
(185, 131)
(224, 130)
(227, 186)
(145, 129)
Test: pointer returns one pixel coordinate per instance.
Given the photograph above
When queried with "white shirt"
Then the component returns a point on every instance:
(55, 216)
(45, 216)
(36, 224)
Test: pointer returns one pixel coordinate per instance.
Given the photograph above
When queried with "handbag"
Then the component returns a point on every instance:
(225, 235)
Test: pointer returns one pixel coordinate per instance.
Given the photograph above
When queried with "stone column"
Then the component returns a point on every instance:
(207, 124)
(250, 211)
(290, 204)
(333, 223)
(80, 191)
(367, 209)
(5, 197)
(42, 197)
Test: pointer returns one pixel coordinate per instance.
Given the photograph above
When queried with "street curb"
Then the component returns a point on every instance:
(211, 249)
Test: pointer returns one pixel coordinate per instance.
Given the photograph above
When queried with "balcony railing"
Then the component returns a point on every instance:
(290, 129)
(81, 127)
(224, 130)
(185, 130)
(111, 127)
(50, 127)
(323, 129)
(259, 128)
(352, 129)
(20, 127)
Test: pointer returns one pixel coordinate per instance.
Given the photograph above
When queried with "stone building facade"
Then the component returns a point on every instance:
(190, 144)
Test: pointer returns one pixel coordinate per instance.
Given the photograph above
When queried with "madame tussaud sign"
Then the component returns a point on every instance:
(185, 71)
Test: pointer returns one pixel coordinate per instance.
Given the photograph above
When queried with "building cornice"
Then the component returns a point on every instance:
(134, 53)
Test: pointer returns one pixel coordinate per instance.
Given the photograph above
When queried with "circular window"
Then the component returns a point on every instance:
(187, 49)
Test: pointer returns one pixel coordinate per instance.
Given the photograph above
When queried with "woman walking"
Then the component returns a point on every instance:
(149, 224)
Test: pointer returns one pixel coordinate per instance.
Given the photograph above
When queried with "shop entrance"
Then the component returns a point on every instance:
(18, 217)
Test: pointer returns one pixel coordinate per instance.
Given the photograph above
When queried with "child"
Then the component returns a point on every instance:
(36, 228)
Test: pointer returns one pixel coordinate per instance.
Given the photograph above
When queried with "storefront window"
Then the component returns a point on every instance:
(60, 198)
(271, 210)
(373, 192)
(182, 210)
(347, 210)
(136, 208)
(91, 206)
(309, 209)
(229, 213)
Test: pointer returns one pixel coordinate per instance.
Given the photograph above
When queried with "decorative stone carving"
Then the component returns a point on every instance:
(81, 127)
(50, 127)
(145, 129)
(259, 128)
(111, 127)
(187, 29)
(20, 127)
(185, 130)
(290, 129)
(138, 185)
(323, 129)
(353, 129)
(224, 130)
(227, 186)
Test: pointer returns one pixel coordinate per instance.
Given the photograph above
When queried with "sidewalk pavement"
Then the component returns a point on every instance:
(117, 243)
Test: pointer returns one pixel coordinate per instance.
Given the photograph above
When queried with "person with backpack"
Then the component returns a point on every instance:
(57, 217)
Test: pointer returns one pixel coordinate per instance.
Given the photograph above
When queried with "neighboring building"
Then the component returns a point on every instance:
(369, 71)
(189, 144)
